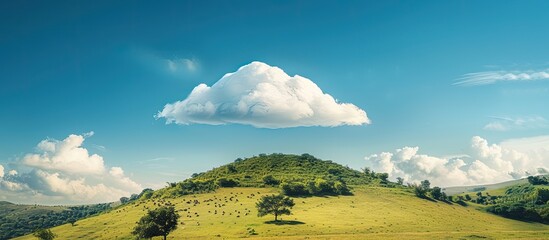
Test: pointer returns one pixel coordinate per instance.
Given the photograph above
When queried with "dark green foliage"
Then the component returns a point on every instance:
(44, 234)
(270, 180)
(436, 193)
(526, 202)
(400, 181)
(318, 187)
(382, 176)
(419, 190)
(17, 220)
(425, 184)
(124, 200)
(294, 189)
(159, 222)
(227, 182)
(538, 180)
(274, 204)
(146, 193)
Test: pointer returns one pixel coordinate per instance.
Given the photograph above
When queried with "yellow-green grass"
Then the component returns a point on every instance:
(372, 213)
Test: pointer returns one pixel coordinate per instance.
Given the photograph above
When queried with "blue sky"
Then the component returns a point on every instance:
(72, 68)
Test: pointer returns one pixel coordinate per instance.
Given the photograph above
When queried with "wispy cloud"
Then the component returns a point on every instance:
(492, 77)
(175, 66)
(519, 123)
(182, 64)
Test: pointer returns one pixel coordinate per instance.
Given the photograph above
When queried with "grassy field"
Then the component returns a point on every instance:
(372, 213)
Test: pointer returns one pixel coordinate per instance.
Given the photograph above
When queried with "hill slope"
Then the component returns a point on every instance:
(371, 213)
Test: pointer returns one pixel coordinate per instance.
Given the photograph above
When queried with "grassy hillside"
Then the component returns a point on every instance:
(371, 213)
(17, 219)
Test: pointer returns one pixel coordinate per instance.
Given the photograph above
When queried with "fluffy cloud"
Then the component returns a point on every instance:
(1, 171)
(491, 77)
(262, 96)
(67, 156)
(488, 163)
(520, 123)
(63, 172)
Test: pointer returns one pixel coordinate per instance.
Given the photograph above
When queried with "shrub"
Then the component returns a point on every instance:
(227, 182)
(270, 180)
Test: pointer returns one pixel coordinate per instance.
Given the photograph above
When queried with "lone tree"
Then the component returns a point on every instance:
(159, 222)
(274, 204)
(44, 234)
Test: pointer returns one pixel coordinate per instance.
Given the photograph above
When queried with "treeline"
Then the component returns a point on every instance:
(186, 187)
(318, 187)
(19, 222)
(524, 202)
(424, 190)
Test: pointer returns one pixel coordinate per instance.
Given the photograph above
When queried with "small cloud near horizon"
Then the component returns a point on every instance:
(487, 163)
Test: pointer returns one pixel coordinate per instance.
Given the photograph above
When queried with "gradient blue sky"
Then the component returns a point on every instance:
(70, 68)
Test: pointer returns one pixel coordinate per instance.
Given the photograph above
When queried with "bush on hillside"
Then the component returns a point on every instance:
(227, 182)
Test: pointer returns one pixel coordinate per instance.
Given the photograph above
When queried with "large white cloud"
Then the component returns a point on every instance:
(488, 163)
(63, 172)
(262, 96)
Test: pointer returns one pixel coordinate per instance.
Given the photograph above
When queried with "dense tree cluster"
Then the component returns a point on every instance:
(318, 187)
(424, 190)
(538, 180)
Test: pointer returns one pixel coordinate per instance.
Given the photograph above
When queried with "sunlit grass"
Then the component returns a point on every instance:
(372, 213)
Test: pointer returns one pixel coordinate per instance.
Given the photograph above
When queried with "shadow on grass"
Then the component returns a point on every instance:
(284, 222)
(427, 198)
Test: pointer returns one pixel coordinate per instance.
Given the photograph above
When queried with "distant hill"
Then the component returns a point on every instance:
(17, 220)
(483, 187)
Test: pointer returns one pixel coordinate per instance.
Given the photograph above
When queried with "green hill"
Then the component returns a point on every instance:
(18, 219)
(376, 209)
(484, 187)
(284, 167)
